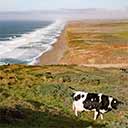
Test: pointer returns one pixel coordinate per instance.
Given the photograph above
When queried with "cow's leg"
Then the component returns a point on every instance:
(101, 116)
(74, 109)
(96, 114)
(76, 113)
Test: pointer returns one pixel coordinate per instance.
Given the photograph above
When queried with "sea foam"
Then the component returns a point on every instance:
(30, 46)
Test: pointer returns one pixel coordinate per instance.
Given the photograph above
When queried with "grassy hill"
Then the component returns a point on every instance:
(39, 97)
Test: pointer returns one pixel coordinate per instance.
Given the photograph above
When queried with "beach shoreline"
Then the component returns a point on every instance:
(54, 55)
(73, 46)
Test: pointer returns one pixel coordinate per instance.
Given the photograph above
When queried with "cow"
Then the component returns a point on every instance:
(97, 102)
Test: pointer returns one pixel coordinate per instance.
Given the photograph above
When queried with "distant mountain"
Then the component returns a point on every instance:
(66, 14)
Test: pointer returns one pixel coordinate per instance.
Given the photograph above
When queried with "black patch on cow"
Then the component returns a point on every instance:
(115, 103)
(77, 97)
(91, 101)
(89, 105)
(104, 102)
(82, 96)
(92, 97)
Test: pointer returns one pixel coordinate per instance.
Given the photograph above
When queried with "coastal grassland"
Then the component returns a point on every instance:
(101, 42)
(39, 97)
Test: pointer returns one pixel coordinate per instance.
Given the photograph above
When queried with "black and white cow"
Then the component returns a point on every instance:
(99, 103)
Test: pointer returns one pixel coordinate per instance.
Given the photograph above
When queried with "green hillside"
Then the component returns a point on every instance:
(39, 97)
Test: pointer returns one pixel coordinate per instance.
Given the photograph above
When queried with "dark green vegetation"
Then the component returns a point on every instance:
(39, 97)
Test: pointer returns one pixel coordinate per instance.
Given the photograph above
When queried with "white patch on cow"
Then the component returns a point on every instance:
(73, 107)
(110, 101)
(95, 115)
(92, 99)
(101, 116)
(87, 110)
(80, 93)
(100, 95)
(78, 105)
(102, 111)
(114, 101)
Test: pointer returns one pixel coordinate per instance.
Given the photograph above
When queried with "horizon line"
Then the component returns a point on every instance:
(35, 10)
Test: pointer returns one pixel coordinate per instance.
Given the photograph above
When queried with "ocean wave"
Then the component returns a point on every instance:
(30, 46)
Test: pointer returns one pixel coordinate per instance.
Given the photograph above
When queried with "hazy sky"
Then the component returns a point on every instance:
(21, 5)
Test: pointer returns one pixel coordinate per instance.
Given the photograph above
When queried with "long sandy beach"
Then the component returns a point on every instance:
(54, 55)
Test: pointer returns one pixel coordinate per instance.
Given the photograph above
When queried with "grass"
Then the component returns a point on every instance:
(123, 34)
(39, 97)
(97, 43)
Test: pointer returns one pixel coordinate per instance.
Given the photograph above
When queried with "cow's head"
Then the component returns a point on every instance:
(115, 103)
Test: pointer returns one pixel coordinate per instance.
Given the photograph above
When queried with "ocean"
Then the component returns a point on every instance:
(23, 42)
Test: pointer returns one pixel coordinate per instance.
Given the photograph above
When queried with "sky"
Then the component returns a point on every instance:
(28, 5)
